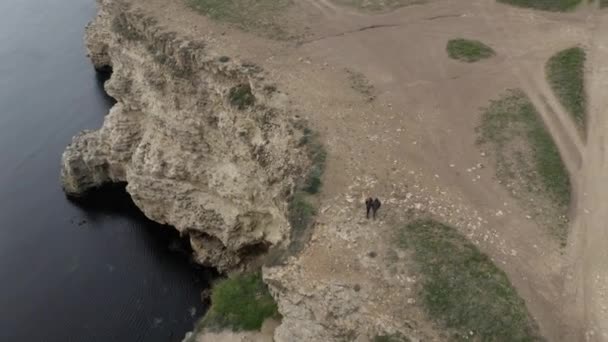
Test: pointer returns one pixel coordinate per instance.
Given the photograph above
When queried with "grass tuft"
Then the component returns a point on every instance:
(241, 303)
(545, 5)
(565, 72)
(527, 160)
(462, 289)
(468, 50)
(241, 96)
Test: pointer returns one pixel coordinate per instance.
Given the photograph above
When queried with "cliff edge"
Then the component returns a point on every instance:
(203, 144)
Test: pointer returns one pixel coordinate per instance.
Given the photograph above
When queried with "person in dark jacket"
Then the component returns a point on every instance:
(368, 206)
(375, 206)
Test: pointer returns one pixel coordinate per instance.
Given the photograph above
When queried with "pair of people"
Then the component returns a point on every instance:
(373, 205)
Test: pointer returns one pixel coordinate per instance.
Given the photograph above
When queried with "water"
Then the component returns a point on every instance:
(69, 273)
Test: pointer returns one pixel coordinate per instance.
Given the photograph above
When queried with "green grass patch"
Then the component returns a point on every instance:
(468, 50)
(241, 303)
(462, 289)
(378, 5)
(301, 212)
(527, 160)
(545, 5)
(317, 155)
(565, 72)
(260, 16)
(241, 96)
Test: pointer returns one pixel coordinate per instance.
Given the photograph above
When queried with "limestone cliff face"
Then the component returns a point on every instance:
(202, 143)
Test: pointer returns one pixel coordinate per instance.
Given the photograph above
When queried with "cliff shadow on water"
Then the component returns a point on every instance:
(113, 199)
(162, 243)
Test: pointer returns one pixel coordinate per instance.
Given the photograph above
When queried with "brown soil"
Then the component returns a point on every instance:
(413, 144)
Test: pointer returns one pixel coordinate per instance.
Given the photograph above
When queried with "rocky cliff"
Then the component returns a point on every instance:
(203, 144)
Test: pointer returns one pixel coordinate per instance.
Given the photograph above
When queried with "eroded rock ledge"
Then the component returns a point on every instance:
(203, 143)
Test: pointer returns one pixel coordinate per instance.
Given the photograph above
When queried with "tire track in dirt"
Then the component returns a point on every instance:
(558, 121)
(532, 79)
(588, 272)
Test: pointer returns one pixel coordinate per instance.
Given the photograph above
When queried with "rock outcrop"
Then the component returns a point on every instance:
(203, 144)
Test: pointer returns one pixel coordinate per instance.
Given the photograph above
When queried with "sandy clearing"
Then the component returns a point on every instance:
(414, 146)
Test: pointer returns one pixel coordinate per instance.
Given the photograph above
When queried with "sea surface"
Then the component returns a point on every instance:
(92, 271)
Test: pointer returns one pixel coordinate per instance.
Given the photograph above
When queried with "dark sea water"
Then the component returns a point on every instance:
(96, 272)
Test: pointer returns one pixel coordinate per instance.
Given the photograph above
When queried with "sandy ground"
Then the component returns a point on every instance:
(414, 145)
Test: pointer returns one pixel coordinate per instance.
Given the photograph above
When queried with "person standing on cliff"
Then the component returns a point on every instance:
(375, 206)
(368, 206)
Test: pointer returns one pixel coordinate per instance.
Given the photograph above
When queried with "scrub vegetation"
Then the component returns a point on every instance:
(462, 290)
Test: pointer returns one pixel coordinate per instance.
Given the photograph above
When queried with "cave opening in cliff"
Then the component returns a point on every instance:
(104, 71)
(102, 75)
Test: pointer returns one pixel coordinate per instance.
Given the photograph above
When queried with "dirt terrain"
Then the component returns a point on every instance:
(404, 130)
(588, 273)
